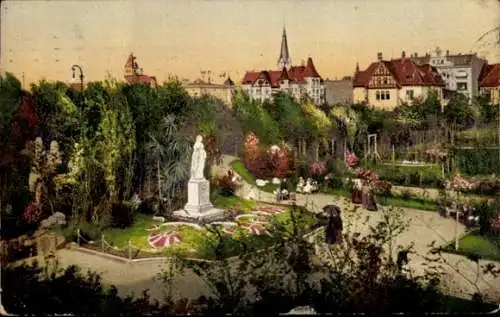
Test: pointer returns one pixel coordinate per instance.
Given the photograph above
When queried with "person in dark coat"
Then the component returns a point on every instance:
(368, 198)
(357, 193)
(334, 226)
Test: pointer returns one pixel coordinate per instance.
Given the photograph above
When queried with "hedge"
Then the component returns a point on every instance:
(416, 176)
(477, 161)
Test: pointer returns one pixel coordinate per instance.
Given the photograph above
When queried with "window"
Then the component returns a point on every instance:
(409, 94)
(378, 95)
(382, 95)
(461, 86)
(387, 95)
(385, 81)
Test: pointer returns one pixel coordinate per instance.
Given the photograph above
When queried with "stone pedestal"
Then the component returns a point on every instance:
(199, 205)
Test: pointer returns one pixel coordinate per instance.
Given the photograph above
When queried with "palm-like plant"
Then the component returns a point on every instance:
(171, 154)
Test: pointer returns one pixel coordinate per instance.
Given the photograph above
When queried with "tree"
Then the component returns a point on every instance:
(458, 115)
(170, 154)
(254, 118)
(10, 99)
(57, 114)
(317, 123)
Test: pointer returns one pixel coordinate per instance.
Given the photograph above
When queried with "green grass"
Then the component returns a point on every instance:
(201, 243)
(136, 232)
(248, 177)
(420, 204)
(395, 201)
(473, 244)
(234, 202)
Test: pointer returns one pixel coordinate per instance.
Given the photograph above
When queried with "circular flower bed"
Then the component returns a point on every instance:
(164, 240)
(257, 229)
(271, 210)
(245, 218)
(226, 227)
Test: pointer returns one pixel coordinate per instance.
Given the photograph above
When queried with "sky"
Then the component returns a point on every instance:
(43, 39)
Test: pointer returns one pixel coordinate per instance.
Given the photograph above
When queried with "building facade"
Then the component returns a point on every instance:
(489, 83)
(338, 91)
(224, 92)
(388, 84)
(460, 72)
(135, 75)
(297, 81)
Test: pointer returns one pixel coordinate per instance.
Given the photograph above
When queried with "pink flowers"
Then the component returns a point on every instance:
(318, 168)
(164, 240)
(270, 210)
(436, 153)
(350, 159)
(257, 229)
(460, 183)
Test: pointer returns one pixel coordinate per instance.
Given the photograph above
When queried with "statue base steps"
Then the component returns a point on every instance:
(199, 206)
(212, 214)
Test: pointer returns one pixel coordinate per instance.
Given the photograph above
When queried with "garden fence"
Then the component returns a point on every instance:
(104, 246)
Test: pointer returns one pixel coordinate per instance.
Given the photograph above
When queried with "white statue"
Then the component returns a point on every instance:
(198, 159)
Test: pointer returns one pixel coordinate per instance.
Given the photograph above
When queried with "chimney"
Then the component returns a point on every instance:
(379, 56)
(403, 54)
(447, 52)
(416, 54)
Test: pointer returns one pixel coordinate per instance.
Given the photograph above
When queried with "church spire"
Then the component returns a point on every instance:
(284, 59)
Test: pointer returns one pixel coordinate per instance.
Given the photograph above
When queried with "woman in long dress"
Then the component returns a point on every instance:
(334, 226)
(357, 193)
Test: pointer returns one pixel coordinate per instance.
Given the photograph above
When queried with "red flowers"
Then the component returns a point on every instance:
(350, 159)
(33, 212)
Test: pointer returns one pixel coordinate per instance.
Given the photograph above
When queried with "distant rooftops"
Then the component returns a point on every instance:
(404, 71)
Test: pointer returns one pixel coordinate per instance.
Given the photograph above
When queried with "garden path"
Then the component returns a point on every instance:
(424, 227)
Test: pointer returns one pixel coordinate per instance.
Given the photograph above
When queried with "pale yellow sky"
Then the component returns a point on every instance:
(181, 37)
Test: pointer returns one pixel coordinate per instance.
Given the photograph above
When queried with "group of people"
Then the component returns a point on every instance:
(364, 195)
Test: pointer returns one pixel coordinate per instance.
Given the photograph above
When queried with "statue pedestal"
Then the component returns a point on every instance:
(199, 205)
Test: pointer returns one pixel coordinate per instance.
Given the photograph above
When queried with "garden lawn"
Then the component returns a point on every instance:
(248, 177)
(473, 244)
(205, 243)
(136, 233)
(421, 204)
(395, 201)
(236, 202)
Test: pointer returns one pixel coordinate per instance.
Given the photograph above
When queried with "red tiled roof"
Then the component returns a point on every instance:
(405, 73)
(310, 70)
(293, 74)
(490, 76)
(141, 79)
(250, 77)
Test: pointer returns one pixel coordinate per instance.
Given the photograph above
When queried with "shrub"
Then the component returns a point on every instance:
(303, 169)
(253, 158)
(477, 161)
(318, 169)
(147, 207)
(226, 186)
(278, 161)
(429, 176)
(122, 215)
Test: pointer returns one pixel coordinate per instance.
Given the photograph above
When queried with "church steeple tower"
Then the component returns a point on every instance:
(284, 59)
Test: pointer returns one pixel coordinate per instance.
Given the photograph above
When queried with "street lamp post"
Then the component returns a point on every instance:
(73, 69)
